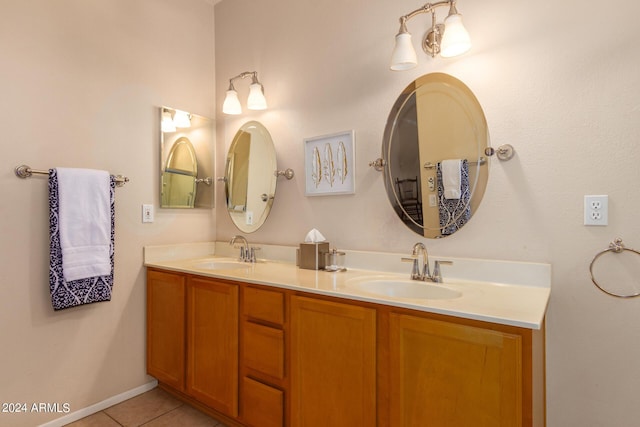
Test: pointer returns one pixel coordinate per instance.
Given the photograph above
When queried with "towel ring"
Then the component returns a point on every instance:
(616, 247)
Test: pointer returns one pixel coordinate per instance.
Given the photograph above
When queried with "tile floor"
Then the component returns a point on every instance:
(155, 408)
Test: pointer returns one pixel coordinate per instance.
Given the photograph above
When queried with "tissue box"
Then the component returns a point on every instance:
(311, 255)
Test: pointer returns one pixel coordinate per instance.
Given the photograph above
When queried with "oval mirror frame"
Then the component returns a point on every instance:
(435, 118)
(250, 177)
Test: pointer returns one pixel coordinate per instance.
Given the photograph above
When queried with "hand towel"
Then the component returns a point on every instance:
(454, 213)
(85, 222)
(451, 178)
(65, 294)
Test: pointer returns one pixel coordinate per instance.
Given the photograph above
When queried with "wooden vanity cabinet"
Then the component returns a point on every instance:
(262, 355)
(166, 296)
(212, 343)
(448, 372)
(268, 357)
(333, 363)
(192, 337)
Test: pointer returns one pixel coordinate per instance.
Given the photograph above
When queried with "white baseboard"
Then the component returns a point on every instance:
(113, 400)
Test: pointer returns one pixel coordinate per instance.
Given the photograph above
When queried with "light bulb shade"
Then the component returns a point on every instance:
(256, 100)
(455, 40)
(231, 103)
(167, 123)
(182, 119)
(403, 56)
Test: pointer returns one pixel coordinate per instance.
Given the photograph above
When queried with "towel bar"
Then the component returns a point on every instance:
(24, 171)
(481, 161)
(504, 152)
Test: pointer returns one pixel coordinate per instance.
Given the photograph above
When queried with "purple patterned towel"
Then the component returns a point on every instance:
(454, 213)
(77, 292)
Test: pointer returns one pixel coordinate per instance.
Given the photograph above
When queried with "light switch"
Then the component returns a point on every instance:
(147, 213)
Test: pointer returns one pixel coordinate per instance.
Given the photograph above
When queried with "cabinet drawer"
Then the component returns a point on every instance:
(263, 349)
(265, 305)
(261, 405)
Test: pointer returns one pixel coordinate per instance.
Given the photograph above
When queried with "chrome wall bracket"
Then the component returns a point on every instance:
(287, 173)
(378, 164)
(504, 152)
(208, 180)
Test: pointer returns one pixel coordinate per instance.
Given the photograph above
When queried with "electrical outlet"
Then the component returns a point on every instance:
(596, 210)
(147, 213)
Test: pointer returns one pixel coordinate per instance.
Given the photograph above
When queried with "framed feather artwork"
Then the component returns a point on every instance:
(329, 164)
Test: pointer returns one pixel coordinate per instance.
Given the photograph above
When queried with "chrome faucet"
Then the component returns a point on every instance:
(423, 273)
(247, 254)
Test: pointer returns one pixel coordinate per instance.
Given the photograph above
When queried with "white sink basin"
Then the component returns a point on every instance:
(221, 265)
(398, 288)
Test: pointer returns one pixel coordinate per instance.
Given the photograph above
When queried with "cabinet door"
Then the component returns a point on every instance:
(212, 349)
(166, 327)
(333, 364)
(446, 375)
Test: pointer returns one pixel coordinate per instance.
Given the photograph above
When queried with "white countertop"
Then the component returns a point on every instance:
(516, 294)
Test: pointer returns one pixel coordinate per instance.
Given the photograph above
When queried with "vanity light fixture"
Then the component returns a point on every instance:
(182, 119)
(167, 124)
(256, 99)
(448, 39)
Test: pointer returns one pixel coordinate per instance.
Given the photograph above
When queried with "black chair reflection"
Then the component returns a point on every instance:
(410, 199)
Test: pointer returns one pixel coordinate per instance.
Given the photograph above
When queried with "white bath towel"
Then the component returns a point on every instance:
(451, 178)
(85, 222)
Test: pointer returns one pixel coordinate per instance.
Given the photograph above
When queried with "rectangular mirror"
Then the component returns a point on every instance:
(186, 160)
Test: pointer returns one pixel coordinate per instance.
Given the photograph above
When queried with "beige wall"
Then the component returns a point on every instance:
(557, 80)
(79, 87)
(80, 83)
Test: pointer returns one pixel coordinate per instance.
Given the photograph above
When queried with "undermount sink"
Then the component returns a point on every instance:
(398, 288)
(221, 265)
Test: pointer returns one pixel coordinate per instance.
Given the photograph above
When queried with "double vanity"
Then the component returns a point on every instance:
(265, 343)
(269, 344)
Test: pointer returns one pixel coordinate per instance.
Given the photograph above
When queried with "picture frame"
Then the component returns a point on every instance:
(329, 164)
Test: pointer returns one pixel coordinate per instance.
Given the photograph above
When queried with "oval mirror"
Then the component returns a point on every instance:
(435, 171)
(186, 159)
(250, 176)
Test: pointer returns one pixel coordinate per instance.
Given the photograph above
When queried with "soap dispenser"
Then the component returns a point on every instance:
(334, 260)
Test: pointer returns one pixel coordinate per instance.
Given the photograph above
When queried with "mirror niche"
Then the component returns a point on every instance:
(250, 176)
(186, 159)
(435, 167)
